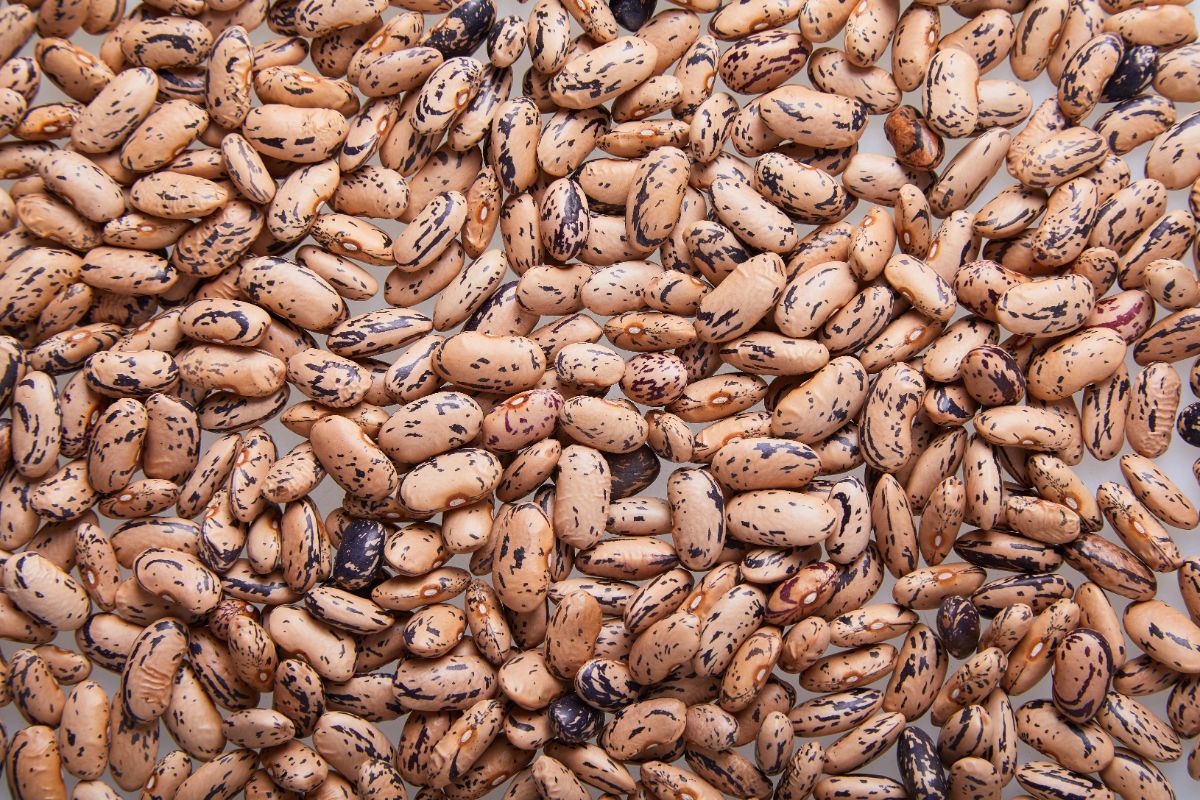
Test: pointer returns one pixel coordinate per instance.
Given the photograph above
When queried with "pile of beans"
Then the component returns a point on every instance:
(619, 250)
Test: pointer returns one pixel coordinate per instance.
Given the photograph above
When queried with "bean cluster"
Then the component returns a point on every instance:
(192, 247)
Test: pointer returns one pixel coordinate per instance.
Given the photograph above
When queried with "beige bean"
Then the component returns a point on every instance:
(1078, 361)
(353, 459)
(614, 67)
(298, 135)
(811, 117)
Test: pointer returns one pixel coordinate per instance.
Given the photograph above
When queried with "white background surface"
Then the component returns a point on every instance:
(1177, 462)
